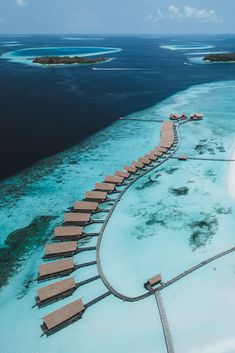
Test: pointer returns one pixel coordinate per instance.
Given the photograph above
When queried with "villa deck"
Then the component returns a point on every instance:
(86, 206)
(81, 219)
(55, 291)
(182, 158)
(63, 317)
(154, 281)
(105, 187)
(122, 174)
(157, 153)
(96, 196)
(55, 269)
(151, 157)
(181, 116)
(145, 160)
(137, 164)
(196, 116)
(117, 180)
(63, 249)
(130, 169)
(68, 233)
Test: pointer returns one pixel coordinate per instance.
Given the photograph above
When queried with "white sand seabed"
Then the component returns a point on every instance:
(231, 174)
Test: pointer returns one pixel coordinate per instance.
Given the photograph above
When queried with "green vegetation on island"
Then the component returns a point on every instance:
(57, 60)
(220, 57)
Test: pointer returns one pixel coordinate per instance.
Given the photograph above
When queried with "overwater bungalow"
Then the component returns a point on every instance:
(55, 291)
(145, 160)
(55, 269)
(137, 164)
(96, 196)
(68, 233)
(162, 149)
(63, 317)
(196, 116)
(157, 153)
(86, 206)
(122, 174)
(114, 179)
(154, 281)
(105, 187)
(63, 249)
(182, 158)
(166, 143)
(130, 169)
(181, 116)
(81, 219)
(151, 157)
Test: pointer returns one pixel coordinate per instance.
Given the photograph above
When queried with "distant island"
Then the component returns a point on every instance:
(57, 60)
(221, 57)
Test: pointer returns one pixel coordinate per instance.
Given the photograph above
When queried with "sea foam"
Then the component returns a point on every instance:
(186, 47)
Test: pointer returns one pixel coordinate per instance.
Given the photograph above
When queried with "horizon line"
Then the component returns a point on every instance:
(118, 34)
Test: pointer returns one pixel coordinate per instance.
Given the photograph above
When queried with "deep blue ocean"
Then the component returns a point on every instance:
(44, 111)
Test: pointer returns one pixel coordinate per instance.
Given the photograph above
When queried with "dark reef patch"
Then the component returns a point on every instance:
(179, 191)
(210, 173)
(147, 184)
(155, 218)
(149, 223)
(171, 170)
(142, 232)
(220, 148)
(210, 146)
(202, 230)
(224, 210)
(21, 243)
(26, 286)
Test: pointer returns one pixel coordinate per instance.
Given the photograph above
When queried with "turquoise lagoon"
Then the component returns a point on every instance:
(167, 222)
(26, 55)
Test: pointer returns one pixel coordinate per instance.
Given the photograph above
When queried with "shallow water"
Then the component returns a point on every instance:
(201, 311)
(181, 216)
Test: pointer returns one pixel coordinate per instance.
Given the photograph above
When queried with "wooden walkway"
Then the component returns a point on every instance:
(91, 279)
(106, 282)
(173, 280)
(96, 300)
(165, 324)
(194, 268)
(207, 159)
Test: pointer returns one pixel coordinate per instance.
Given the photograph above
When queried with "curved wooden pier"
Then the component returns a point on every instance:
(173, 280)
(109, 286)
